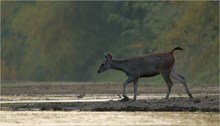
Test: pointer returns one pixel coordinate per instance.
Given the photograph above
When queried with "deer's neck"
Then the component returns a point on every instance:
(118, 65)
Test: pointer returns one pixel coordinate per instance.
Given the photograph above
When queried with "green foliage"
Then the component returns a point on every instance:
(197, 31)
(65, 41)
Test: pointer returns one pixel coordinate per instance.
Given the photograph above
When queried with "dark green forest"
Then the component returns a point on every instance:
(65, 41)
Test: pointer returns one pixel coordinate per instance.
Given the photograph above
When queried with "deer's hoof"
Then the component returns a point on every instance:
(125, 98)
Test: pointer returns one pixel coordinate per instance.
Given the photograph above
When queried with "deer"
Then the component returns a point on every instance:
(148, 65)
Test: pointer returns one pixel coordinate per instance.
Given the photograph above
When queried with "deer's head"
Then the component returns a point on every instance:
(106, 64)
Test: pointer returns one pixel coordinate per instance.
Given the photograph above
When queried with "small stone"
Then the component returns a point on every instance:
(119, 95)
(81, 96)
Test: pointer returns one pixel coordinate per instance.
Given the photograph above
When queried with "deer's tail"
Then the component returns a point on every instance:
(177, 48)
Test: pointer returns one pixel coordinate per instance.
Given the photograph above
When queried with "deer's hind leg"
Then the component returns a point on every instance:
(181, 79)
(169, 82)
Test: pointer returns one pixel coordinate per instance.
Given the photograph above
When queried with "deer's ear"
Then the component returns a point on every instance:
(108, 56)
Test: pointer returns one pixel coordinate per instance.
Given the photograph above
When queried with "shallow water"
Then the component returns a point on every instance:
(61, 118)
(73, 98)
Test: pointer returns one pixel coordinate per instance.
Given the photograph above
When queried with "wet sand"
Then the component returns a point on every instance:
(111, 102)
(99, 104)
(105, 97)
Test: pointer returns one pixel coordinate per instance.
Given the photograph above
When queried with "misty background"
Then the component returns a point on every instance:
(66, 41)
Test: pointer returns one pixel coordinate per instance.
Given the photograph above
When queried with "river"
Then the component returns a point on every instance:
(61, 118)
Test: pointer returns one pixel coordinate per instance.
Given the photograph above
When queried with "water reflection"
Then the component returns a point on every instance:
(108, 118)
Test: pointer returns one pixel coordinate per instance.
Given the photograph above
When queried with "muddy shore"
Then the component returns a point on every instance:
(104, 97)
(25, 88)
(199, 104)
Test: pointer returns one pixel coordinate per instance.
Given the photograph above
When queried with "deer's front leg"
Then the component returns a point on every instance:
(135, 85)
(129, 80)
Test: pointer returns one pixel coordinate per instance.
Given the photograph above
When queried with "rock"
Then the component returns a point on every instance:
(119, 95)
(81, 96)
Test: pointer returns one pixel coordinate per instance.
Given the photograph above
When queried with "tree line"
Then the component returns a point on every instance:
(65, 41)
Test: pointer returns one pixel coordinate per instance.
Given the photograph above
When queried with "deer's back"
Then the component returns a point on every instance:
(149, 65)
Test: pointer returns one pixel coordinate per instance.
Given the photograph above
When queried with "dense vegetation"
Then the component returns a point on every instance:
(65, 41)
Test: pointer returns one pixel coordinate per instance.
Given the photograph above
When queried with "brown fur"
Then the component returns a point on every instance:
(146, 66)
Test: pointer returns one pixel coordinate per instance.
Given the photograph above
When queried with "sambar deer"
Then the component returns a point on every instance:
(146, 66)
